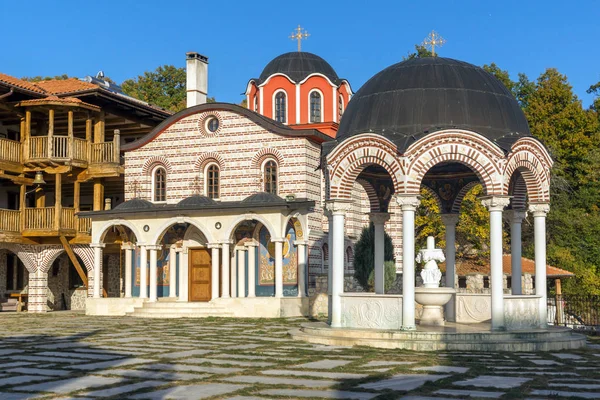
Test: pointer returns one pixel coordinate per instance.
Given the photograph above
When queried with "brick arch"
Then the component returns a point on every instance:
(457, 203)
(532, 161)
(207, 158)
(154, 161)
(265, 153)
(353, 155)
(86, 254)
(371, 194)
(484, 158)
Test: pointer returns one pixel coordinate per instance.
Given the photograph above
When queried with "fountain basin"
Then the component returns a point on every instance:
(433, 300)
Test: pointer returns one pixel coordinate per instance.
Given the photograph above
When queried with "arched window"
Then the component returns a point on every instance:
(280, 107)
(349, 258)
(270, 177)
(315, 107)
(340, 107)
(160, 184)
(325, 257)
(256, 103)
(212, 181)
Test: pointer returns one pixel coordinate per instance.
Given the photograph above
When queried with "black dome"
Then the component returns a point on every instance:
(195, 201)
(298, 65)
(413, 98)
(135, 204)
(263, 198)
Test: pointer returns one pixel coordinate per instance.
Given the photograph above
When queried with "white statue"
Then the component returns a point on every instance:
(431, 274)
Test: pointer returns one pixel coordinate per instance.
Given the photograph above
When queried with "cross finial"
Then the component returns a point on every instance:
(434, 39)
(299, 34)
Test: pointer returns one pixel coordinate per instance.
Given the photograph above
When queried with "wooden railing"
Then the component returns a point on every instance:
(80, 149)
(84, 225)
(102, 153)
(10, 150)
(10, 220)
(39, 218)
(68, 219)
(60, 147)
(38, 147)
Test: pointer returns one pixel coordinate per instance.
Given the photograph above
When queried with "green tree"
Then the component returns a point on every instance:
(364, 254)
(420, 52)
(45, 78)
(163, 87)
(502, 76)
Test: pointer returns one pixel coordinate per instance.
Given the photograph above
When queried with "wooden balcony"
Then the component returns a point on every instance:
(56, 150)
(10, 154)
(44, 221)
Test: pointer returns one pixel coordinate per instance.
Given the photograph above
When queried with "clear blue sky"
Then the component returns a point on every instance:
(358, 38)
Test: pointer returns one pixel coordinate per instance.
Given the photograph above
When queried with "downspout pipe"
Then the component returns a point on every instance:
(7, 94)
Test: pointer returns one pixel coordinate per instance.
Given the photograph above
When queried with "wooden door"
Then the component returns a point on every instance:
(199, 275)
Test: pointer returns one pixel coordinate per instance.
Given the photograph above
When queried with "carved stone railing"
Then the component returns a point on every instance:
(10, 150)
(371, 311)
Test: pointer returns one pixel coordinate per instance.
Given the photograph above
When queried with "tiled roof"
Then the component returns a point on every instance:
(58, 100)
(65, 86)
(20, 83)
(470, 267)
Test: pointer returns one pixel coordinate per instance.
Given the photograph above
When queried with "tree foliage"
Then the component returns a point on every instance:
(364, 254)
(164, 87)
(45, 78)
(420, 52)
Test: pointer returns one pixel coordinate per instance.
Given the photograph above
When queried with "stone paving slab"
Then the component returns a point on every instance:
(323, 364)
(17, 396)
(87, 356)
(125, 389)
(402, 382)
(165, 375)
(316, 374)
(443, 368)
(41, 371)
(566, 356)
(312, 394)
(70, 385)
(269, 380)
(191, 368)
(110, 364)
(586, 386)
(490, 381)
(190, 392)
(387, 363)
(230, 362)
(563, 393)
(187, 353)
(545, 362)
(20, 379)
(469, 393)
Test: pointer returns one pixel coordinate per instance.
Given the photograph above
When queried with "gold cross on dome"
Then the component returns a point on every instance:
(434, 39)
(299, 34)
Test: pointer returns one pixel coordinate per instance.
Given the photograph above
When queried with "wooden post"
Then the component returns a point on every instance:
(99, 128)
(98, 195)
(70, 134)
(27, 135)
(76, 195)
(117, 146)
(22, 140)
(50, 132)
(57, 201)
(40, 198)
(88, 137)
(22, 206)
(559, 303)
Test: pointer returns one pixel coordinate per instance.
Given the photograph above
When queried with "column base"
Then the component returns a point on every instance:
(409, 328)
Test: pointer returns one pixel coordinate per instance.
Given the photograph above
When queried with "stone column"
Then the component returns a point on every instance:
(172, 272)
(183, 275)
(251, 246)
(450, 221)
(233, 279)
(128, 249)
(539, 212)
(143, 272)
(214, 271)
(97, 268)
(379, 219)
(338, 210)
(241, 259)
(153, 272)
(496, 204)
(301, 249)
(516, 219)
(225, 270)
(408, 204)
(278, 267)
(329, 263)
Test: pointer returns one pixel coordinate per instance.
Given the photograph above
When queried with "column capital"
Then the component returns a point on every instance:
(337, 207)
(213, 245)
(379, 218)
(154, 247)
(301, 242)
(225, 242)
(450, 219)
(251, 243)
(539, 209)
(240, 248)
(97, 245)
(277, 240)
(516, 216)
(495, 203)
(128, 246)
(408, 202)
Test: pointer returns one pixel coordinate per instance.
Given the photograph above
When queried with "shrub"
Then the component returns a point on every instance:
(364, 257)
(389, 276)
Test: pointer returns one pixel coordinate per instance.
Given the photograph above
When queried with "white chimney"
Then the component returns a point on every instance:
(197, 78)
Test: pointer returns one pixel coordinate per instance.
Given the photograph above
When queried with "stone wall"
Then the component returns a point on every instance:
(60, 296)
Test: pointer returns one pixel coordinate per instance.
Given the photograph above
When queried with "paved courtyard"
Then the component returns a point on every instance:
(68, 355)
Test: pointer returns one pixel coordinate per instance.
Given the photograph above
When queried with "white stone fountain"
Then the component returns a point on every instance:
(431, 296)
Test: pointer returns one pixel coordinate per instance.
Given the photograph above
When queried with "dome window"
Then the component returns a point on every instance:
(340, 106)
(212, 124)
(280, 107)
(315, 107)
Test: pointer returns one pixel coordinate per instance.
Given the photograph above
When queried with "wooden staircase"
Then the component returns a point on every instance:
(170, 308)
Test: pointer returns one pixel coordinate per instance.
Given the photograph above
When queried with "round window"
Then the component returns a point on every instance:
(212, 124)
